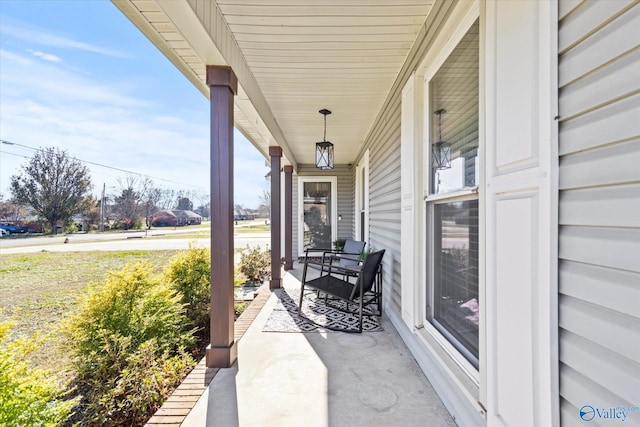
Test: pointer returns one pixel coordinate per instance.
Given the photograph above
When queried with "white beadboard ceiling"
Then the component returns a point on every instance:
(292, 58)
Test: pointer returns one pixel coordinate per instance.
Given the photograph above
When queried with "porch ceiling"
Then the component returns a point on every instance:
(292, 58)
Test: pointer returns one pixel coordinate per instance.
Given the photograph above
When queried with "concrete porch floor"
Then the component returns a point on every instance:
(319, 379)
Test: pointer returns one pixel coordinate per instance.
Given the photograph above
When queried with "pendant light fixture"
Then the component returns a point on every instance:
(324, 149)
(441, 150)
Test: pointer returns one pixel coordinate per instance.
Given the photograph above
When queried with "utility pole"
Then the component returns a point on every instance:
(104, 186)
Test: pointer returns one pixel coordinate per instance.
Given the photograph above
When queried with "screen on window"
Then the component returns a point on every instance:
(455, 300)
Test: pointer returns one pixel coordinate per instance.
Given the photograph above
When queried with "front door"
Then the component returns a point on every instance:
(317, 213)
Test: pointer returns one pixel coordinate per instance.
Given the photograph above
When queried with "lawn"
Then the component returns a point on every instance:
(37, 290)
(254, 228)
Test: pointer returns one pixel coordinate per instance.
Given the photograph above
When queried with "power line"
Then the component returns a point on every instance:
(95, 164)
(14, 154)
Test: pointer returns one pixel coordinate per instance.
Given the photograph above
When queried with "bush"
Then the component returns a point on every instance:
(255, 264)
(127, 224)
(239, 278)
(123, 324)
(28, 396)
(70, 228)
(141, 388)
(238, 308)
(190, 274)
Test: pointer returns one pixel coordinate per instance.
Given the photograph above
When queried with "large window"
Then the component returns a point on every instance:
(452, 202)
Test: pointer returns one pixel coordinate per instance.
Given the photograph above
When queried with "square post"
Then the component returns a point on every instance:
(276, 276)
(223, 85)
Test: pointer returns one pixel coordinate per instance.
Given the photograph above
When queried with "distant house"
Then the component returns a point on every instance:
(243, 214)
(190, 217)
(81, 222)
(174, 218)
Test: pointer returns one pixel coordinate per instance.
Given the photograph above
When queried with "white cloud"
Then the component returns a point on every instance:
(5, 55)
(42, 37)
(46, 56)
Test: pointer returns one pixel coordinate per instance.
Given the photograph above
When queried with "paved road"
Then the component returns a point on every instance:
(152, 240)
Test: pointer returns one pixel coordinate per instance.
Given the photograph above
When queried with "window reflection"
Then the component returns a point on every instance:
(454, 97)
(455, 300)
(317, 215)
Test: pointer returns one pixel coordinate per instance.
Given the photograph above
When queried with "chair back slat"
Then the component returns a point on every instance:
(368, 273)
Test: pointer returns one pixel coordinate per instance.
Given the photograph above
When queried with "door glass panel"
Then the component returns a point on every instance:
(317, 215)
(455, 296)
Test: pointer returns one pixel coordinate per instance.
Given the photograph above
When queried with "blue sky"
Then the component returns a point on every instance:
(78, 75)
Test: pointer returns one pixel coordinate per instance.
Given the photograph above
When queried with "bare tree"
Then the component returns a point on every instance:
(153, 197)
(264, 210)
(204, 210)
(203, 202)
(130, 204)
(11, 209)
(167, 199)
(54, 184)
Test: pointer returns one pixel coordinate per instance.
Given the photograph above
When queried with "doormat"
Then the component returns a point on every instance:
(317, 316)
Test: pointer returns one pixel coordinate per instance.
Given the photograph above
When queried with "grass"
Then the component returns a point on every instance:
(252, 229)
(37, 290)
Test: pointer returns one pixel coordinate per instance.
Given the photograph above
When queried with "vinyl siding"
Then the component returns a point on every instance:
(599, 212)
(384, 216)
(385, 163)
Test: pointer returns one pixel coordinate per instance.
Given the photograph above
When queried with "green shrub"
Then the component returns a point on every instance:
(255, 264)
(70, 228)
(28, 396)
(189, 273)
(127, 224)
(141, 388)
(238, 308)
(131, 318)
(239, 278)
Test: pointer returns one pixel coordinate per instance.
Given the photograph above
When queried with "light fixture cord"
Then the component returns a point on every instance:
(324, 138)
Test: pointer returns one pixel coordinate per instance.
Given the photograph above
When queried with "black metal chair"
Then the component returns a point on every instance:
(362, 292)
(347, 257)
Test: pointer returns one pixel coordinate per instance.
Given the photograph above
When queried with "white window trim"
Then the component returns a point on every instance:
(465, 16)
(363, 166)
(334, 207)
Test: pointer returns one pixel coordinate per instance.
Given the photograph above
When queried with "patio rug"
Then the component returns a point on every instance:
(316, 315)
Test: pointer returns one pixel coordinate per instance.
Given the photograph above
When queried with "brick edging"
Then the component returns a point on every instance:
(176, 408)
